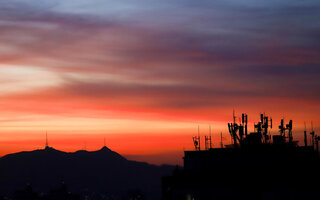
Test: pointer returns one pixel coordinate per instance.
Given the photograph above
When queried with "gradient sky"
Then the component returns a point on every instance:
(144, 74)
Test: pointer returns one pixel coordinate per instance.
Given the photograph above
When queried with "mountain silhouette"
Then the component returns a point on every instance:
(102, 172)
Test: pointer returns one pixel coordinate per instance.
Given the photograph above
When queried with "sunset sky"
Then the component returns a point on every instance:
(144, 74)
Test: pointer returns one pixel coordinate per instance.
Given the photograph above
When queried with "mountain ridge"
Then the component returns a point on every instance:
(103, 171)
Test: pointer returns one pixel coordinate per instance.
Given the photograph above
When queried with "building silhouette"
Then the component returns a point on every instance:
(254, 166)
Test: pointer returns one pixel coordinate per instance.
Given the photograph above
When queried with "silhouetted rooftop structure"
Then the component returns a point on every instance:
(254, 166)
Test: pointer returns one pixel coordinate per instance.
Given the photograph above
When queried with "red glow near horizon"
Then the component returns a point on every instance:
(146, 83)
(139, 127)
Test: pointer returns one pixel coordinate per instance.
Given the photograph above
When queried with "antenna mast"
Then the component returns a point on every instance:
(47, 143)
(196, 140)
(312, 133)
(207, 140)
(305, 135)
(210, 137)
(221, 140)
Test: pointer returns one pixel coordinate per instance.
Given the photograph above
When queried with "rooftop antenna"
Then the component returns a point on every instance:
(243, 126)
(245, 123)
(104, 141)
(221, 140)
(315, 138)
(305, 135)
(266, 123)
(207, 139)
(196, 140)
(210, 136)
(199, 137)
(289, 128)
(282, 128)
(233, 129)
(312, 133)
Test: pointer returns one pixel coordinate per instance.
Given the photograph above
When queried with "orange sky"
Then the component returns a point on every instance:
(84, 72)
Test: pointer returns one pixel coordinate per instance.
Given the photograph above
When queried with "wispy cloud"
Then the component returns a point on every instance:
(185, 59)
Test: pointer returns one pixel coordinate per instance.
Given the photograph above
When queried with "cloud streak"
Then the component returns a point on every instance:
(181, 60)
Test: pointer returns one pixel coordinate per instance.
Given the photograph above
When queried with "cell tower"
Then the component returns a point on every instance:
(283, 128)
(312, 134)
(208, 141)
(196, 140)
(221, 142)
(305, 135)
(238, 131)
(315, 138)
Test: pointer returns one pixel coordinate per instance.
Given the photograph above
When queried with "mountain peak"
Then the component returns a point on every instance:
(47, 148)
(104, 148)
(95, 170)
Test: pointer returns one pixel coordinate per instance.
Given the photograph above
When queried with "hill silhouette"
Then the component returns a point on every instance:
(102, 172)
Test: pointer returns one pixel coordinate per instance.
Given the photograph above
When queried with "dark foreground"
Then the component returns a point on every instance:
(103, 174)
(255, 166)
